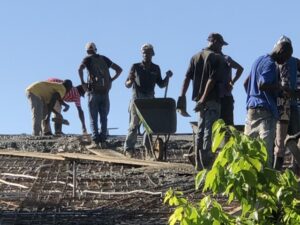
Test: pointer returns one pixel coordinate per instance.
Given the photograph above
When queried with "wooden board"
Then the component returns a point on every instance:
(32, 155)
(107, 153)
(112, 154)
(106, 159)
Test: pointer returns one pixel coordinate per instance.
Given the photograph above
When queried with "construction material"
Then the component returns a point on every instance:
(32, 154)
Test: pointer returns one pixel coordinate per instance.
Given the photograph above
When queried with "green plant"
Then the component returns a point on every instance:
(239, 174)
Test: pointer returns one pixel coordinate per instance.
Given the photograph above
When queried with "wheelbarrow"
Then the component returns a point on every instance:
(158, 116)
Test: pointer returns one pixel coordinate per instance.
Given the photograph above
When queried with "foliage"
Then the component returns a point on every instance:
(240, 174)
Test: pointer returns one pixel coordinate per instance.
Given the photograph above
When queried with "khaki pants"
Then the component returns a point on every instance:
(39, 112)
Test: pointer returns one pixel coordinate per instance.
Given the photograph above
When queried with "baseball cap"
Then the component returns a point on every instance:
(146, 47)
(91, 46)
(216, 37)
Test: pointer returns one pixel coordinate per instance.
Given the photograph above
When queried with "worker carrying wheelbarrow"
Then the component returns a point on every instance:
(143, 77)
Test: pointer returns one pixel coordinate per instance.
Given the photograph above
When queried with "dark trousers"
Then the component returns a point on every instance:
(227, 106)
(98, 105)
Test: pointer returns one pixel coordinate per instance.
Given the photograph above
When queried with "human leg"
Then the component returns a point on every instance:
(267, 130)
(103, 111)
(93, 112)
(57, 126)
(227, 107)
(279, 149)
(206, 120)
(36, 106)
(131, 137)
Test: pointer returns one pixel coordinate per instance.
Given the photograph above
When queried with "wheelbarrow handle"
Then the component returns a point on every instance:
(169, 74)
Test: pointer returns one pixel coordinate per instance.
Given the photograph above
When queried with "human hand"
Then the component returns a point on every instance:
(200, 107)
(169, 73)
(66, 108)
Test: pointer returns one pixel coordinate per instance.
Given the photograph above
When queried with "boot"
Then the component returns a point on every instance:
(278, 163)
(58, 128)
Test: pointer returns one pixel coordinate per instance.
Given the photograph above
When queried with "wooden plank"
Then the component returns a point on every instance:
(32, 155)
(123, 160)
(105, 159)
(112, 154)
(107, 153)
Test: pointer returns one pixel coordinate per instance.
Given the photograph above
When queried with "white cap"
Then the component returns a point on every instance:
(91, 46)
(283, 38)
(147, 46)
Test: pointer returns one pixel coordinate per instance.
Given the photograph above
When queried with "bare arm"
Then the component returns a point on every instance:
(246, 82)
(185, 86)
(208, 87)
(81, 117)
(80, 72)
(239, 70)
(117, 69)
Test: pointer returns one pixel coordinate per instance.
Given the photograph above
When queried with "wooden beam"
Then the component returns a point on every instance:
(32, 155)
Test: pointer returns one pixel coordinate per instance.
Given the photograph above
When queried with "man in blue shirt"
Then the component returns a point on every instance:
(262, 87)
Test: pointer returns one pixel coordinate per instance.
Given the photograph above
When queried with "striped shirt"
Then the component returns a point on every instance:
(72, 96)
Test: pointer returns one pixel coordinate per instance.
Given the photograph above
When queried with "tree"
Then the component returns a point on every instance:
(240, 174)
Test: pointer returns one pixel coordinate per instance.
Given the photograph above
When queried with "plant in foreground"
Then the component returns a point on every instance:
(239, 174)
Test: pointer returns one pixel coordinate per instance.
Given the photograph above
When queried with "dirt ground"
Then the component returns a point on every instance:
(40, 190)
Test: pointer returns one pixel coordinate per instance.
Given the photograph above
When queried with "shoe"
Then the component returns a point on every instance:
(48, 133)
(93, 145)
(128, 153)
(59, 133)
(103, 145)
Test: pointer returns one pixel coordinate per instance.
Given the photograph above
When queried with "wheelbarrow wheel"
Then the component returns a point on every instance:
(158, 149)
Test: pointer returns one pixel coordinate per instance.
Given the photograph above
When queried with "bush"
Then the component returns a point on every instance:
(240, 174)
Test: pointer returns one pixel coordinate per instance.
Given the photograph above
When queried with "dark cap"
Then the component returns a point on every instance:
(216, 37)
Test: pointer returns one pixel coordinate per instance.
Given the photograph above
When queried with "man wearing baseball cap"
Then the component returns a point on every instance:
(205, 73)
(143, 77)
(99, 83)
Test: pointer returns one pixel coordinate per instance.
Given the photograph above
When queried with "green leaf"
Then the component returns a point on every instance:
(210, 178)
(199, 178)
(217, 140)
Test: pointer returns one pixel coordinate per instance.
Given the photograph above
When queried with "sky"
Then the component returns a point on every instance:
(43, 39)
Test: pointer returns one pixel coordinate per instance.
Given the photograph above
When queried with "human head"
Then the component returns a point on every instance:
(67, 84)
(283, 38)
(216, 41)
(81, 90)
(147, 52)
(282, 52)
(91, 47)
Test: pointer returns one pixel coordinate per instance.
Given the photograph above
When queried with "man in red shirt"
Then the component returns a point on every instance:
(72, 96)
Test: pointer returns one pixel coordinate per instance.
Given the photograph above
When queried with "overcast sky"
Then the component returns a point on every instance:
(42, 39)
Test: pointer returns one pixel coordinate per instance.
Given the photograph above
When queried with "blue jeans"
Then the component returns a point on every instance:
(261, 123)
(98, 105)
(204, 135)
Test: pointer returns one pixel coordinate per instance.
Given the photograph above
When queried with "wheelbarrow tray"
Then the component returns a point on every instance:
(158, 115)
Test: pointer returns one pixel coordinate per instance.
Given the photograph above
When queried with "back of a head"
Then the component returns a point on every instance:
(67, 84)
(282, 52)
